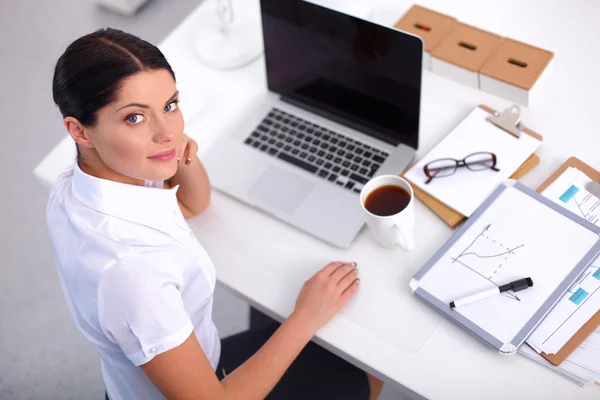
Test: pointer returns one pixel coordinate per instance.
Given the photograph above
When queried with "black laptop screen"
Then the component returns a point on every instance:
(355, 72)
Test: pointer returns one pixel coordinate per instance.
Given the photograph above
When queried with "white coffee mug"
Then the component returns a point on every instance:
(393, 230)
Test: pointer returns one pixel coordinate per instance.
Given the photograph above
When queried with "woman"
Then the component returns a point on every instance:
(138, 284)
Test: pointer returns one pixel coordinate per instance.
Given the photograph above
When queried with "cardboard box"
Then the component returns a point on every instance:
(516, 72)
(462, 54)
(429, 25)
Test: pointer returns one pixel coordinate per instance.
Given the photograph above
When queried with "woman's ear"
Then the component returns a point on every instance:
(78, 132)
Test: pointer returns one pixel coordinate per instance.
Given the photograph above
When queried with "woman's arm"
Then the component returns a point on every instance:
(185, 373)
(193, 194)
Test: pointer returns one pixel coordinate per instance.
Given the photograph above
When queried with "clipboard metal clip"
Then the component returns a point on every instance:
(593, 188)
(508, 120)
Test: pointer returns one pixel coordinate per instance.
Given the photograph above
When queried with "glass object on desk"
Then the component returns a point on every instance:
(229, 42)
(444, 167)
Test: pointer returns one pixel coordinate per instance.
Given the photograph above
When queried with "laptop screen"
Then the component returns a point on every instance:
(352, 71)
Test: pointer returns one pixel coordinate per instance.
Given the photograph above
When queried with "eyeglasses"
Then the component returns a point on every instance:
(447, 166)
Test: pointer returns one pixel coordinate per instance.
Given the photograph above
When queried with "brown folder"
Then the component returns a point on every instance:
(454, 218)
(589, 327)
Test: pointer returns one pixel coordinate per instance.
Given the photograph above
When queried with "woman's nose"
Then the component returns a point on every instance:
(163, 132)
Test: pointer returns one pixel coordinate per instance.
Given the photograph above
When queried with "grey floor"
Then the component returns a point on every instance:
(42, 355)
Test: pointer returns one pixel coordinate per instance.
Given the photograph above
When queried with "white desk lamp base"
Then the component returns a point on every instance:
(233, 47)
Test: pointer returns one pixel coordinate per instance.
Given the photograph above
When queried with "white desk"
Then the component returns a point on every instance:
(384, 329)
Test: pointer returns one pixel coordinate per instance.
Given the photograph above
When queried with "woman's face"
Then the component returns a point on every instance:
(139, 134)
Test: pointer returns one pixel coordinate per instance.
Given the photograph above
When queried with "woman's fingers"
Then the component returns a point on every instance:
(190, 151)
(349, 291)
(186, 150)
(186, 154)
(330, 268)
(326, 292)
(348, 280)
(342, 271)
(181, 152)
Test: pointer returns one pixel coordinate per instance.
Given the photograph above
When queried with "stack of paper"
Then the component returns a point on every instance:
(575, 367)
(582, 300)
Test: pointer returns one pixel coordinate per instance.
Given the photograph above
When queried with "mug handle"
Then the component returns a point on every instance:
(406, 243)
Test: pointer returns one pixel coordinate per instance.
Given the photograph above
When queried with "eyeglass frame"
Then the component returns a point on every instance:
(459, 164)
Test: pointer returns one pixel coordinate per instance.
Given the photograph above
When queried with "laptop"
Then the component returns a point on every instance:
(342, 106)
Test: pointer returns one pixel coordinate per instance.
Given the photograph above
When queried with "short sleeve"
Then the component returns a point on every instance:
(140, 307)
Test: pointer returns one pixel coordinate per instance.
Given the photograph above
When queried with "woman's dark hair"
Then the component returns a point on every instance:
(89, 73)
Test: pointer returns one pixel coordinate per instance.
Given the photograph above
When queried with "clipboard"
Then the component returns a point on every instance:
(511, 125)
(589, 327)
(419, 284)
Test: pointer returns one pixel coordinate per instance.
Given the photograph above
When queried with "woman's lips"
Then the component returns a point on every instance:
(164, 156)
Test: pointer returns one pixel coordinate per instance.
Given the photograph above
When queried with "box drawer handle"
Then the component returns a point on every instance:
(467, 46)
(517, 63)
(422, 27)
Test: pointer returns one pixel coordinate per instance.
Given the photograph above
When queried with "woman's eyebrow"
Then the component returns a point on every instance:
(133, 105)
(173, 97)
(147, 106)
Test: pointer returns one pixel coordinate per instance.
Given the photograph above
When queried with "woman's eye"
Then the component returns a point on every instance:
(172, 106)
(135, 118)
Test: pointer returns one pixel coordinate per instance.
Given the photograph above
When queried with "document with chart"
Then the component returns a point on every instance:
(582, 300)
(580, 305)
(577, 306)
(515, 234)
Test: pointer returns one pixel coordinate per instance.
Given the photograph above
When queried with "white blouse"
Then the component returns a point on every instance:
(136, 280)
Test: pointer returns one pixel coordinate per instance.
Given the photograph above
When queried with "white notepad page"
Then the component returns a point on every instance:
(466, 190)
(516, 237)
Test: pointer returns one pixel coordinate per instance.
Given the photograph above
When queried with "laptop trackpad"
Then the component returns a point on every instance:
(280, 190)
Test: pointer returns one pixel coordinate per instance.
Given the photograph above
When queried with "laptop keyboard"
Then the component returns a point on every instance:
(327, 154)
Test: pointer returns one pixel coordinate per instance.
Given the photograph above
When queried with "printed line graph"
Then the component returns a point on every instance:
(486, 257)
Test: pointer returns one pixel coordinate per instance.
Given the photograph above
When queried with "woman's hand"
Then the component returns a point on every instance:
(193, 195)
(187, 150)
(324, 294)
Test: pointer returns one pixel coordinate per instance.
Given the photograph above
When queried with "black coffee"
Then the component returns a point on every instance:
(387, 200)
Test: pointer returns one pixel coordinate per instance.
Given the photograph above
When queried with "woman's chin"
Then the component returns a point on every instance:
(163, 172)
